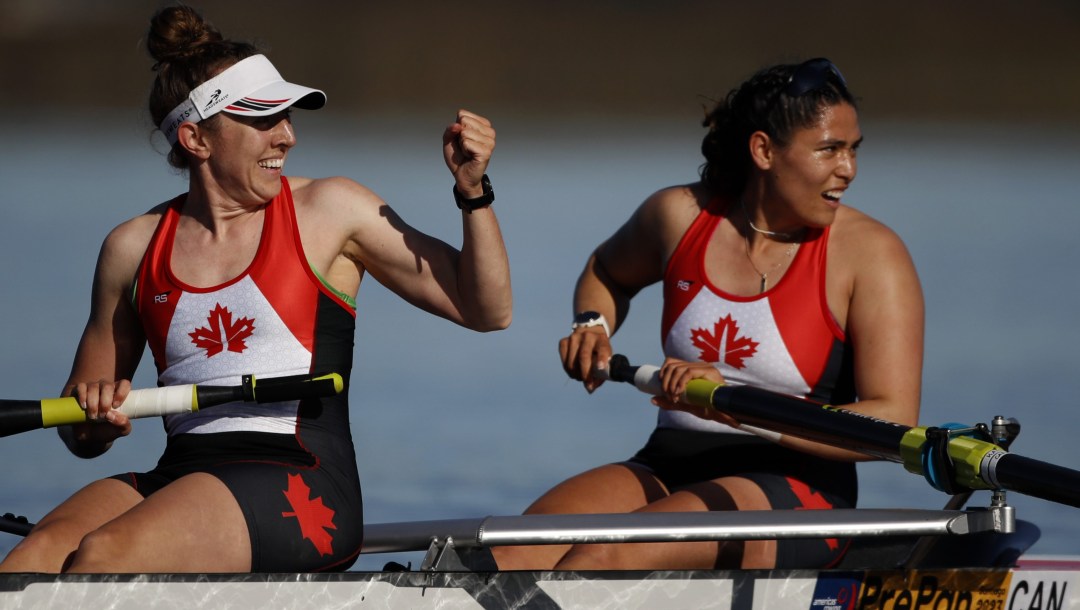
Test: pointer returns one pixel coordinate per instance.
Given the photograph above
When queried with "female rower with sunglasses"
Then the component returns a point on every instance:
(249, 271)
(768, 280)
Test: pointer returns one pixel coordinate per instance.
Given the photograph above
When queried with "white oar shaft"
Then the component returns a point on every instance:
(155, 402)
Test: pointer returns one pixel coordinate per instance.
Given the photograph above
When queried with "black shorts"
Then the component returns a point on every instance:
(304, 513)
(790, 479)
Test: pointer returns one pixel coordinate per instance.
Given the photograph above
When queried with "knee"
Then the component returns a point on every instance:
(98, 552)
(46, 549)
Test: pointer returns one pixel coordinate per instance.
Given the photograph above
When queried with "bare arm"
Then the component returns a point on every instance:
(111, 345)
(630, 260)
(884, 324)
(484, 297)
(470, 286)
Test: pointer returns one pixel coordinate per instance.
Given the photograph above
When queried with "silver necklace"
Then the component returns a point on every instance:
(777, 234)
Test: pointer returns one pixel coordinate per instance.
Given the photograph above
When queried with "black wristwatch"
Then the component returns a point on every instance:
(476, 203)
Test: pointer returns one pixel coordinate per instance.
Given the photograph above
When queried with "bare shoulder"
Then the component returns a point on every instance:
(857, 234)
(864, 250)
(124, 246)
(671, 210)
(336, 196)
(135, 234)
(674, 202)
(334, 188)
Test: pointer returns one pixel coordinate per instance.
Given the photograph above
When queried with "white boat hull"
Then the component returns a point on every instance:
(1044, 587)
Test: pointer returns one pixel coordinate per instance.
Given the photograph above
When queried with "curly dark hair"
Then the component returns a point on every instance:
(188, 51)
(763, 103)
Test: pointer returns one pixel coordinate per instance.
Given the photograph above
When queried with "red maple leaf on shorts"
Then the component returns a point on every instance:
(724, 343)
(811, 500)
(314, 517)
(222, 332)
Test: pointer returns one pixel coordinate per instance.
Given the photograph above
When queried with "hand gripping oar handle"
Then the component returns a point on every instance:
(23, 415)
(646, 378)
(979, 464)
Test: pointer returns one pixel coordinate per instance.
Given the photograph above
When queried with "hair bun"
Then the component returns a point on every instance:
(177, 33)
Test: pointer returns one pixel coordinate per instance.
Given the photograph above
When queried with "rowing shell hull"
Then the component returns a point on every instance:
(1043, 586)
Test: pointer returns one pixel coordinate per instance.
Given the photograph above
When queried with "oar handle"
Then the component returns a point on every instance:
(172, 400)
(18, 526)
(698, 392)
(645, 377)
(151, 402)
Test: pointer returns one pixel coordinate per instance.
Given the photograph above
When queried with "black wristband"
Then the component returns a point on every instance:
(476, 203)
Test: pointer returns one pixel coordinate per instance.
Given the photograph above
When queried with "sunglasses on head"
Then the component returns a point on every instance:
(812, 75)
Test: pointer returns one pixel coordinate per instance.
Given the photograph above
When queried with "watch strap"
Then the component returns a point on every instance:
(588, 319)
(475, 203)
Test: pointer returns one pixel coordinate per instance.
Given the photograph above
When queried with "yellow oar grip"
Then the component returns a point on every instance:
(699, 392)
(61, 412)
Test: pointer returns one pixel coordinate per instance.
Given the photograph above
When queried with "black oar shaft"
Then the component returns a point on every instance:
(1038, 479)
(977, 464)
(19, 416)
(804, 418)
(883, 439)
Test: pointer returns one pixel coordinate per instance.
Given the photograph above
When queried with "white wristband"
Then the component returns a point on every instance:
(586, 319)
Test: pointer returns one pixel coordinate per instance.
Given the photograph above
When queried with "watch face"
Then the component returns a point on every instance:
(585, 317)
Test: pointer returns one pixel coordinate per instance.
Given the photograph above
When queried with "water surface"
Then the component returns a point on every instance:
(450, 423)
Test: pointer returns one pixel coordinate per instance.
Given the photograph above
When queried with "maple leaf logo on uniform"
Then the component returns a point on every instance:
(222, 333)
(313, 516)
(724, 342)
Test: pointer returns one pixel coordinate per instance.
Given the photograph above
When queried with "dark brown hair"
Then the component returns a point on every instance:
(188, 51)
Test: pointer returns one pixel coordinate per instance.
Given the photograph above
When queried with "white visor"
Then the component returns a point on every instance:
(250, 87)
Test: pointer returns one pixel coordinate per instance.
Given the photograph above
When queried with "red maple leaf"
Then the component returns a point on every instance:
(724, 341)
(314, 517)
(223, 332)
(810, 500)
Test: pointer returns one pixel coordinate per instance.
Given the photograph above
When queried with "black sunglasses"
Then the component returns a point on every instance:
(812, 75)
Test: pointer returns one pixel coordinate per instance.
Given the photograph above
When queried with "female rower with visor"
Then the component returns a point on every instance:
(768, 280)
(249, 272)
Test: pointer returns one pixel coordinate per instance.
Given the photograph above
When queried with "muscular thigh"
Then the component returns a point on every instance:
(298, 510)
(762, 491)
(613, 488)
(94, 505)
(291, 518)
(192, 524)
(298, 519)
(88, 509)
